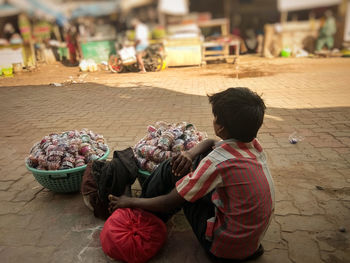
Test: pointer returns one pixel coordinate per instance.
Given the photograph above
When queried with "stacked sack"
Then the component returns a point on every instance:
(66, 150)
(164, 141)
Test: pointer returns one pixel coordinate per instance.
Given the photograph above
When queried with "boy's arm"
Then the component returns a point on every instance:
(162, 203)
(182, 163)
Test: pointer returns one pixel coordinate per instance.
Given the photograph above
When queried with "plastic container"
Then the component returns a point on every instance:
(143, 175)
(8, 71)
(62, 181)
(286, 53)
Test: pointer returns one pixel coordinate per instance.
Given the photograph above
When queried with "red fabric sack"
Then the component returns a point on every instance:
(132, 235)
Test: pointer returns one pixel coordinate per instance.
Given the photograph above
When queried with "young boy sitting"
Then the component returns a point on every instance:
(228, 198)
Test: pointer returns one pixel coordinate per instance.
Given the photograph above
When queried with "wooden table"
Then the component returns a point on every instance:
(224, 53)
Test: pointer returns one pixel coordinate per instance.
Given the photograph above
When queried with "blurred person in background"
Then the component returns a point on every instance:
(254, 36)
(237, 34)
(41, 35)
(251, 40)
(72, 44)
(327, 31)
(10, 36)
(141, 41)
(9, 31)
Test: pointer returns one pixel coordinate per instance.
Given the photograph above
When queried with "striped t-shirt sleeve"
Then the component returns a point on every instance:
(197, 184)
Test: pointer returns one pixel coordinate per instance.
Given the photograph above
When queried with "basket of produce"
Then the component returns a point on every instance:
(163, 141)
(59, 160)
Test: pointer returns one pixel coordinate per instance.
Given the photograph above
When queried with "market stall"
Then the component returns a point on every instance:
(183, 46)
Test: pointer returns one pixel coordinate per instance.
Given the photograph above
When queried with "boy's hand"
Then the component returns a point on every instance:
(118, 202)
(181, 164)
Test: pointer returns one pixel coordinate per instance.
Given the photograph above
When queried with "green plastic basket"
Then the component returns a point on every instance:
(143, 175)
(62, 181)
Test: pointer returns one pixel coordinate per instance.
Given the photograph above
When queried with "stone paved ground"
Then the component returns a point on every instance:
(312, 177)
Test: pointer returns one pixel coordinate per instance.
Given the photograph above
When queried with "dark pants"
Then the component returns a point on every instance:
(162, 181)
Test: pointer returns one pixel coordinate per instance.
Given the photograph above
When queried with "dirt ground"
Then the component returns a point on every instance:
(245, 67)
(310, 96)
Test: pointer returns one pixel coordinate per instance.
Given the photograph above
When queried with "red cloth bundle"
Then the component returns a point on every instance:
(132, 235)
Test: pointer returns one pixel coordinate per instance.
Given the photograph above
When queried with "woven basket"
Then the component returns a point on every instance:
(62, 181)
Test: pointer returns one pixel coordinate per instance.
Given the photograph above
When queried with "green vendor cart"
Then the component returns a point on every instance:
(98, 49)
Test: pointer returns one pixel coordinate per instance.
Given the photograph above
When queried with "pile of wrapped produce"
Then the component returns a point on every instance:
(66, 150)
(165, 140)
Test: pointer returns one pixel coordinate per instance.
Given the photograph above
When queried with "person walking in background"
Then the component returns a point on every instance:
(72, 45)
(141, 41)
(327, 31)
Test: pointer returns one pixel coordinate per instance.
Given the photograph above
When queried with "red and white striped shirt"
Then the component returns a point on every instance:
(243, 196)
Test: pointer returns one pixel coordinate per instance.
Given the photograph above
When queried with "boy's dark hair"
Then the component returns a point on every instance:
(240, 111)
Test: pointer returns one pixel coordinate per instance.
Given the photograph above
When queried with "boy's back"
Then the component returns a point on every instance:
(243, 195)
